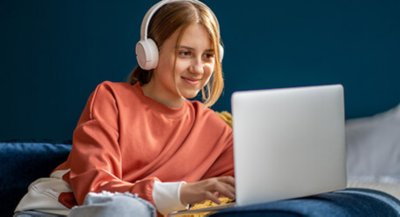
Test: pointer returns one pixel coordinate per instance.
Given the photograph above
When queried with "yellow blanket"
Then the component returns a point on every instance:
(204, 204)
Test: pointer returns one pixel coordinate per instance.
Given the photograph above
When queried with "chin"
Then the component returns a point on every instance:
(190, 95)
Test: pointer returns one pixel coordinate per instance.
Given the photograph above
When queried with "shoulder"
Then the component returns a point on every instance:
(109, 86)
(113, 91)
(209, 116)
(107, 95)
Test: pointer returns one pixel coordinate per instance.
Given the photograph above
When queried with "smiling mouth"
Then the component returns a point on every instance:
(191, 81)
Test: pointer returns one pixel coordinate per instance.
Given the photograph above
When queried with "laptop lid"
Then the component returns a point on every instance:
(288, 143)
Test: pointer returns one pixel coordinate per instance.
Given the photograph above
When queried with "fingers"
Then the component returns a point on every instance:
(227, 179)
(216, 187)
(209, 189)
(213, 197)
(225, 186)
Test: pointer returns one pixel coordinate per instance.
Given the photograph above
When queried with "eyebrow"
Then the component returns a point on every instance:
(190, 48)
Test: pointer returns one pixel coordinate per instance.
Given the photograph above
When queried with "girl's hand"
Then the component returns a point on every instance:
(208, 189)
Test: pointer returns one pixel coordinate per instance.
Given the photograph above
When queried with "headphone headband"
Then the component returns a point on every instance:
(147, 17)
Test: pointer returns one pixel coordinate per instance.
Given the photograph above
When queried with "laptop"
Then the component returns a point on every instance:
(288, 143)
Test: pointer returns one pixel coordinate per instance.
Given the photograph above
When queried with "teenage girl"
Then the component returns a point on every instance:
(142, 147)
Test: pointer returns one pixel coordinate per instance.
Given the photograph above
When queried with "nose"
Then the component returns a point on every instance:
(197, 67)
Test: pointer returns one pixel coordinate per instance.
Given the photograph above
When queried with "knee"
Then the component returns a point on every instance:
(130, 205)
(110, 204)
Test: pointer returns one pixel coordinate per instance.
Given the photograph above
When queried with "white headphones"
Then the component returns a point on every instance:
(146, 48)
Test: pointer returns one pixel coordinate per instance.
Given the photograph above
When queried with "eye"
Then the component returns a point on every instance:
(209, 56)
(184, 53)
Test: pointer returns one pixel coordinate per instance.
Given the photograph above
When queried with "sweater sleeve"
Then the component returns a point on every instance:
(95, 159)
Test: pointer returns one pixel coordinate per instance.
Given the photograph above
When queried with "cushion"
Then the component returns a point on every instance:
(373, 147)
(22, 163)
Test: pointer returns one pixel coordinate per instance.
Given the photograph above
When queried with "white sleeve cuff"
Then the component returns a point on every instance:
(166, 196)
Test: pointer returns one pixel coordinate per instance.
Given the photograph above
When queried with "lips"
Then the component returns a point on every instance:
(191, 81)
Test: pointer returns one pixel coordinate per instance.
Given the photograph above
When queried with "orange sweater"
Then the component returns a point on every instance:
(124, 141)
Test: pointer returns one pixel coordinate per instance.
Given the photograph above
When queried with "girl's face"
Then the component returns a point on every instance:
(194, 66)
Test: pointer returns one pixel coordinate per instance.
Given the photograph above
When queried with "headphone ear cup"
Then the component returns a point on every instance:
(147, 54)
(221, 52)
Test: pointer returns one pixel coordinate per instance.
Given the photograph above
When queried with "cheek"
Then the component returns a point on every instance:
(209, 70)
(181, 65)
(166, 68)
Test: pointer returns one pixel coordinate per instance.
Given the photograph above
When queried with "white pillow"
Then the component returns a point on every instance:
(373, 147)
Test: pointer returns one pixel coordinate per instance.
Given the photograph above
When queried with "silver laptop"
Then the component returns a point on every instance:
(288, 143)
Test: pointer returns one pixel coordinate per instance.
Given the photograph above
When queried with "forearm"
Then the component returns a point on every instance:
(100, 180)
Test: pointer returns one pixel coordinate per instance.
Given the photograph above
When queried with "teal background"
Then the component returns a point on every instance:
(54, 53)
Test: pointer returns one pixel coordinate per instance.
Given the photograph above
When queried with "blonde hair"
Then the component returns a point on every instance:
(176, 16)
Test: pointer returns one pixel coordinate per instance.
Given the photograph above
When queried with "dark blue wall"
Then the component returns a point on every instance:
(53, 53)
